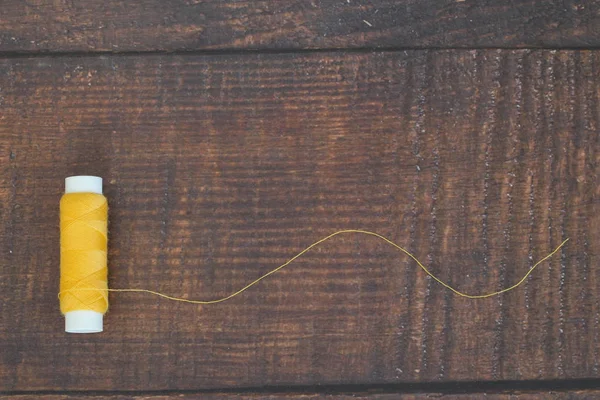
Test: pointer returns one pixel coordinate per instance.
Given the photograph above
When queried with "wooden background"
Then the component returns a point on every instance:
(232, 134)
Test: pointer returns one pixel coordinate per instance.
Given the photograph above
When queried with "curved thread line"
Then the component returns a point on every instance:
(438, 280)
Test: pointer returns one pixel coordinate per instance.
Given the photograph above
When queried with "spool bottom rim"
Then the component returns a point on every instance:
(84, 321)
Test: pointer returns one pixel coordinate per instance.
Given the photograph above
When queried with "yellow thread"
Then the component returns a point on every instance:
(83, 230)
(438, 280)
(83, 245)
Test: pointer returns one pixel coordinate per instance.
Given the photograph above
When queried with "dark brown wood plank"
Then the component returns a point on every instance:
(159, 25)
(219, 168)
(575, 395)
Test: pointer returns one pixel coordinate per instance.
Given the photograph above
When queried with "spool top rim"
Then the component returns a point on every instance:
(83, 184)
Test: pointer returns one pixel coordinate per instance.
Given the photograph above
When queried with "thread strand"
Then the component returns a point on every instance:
(360, 231)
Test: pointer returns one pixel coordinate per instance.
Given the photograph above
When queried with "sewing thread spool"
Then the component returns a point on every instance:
(84, 274)
(83, 254)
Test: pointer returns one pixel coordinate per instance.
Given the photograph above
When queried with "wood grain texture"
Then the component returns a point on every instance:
(575, 395)
(218, 168)
(167, 25)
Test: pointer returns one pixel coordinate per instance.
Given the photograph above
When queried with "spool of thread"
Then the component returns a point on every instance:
(83, 259)
(83, 254)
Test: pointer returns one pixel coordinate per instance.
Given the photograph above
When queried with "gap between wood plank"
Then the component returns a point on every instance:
(443, 388)
(227, 52)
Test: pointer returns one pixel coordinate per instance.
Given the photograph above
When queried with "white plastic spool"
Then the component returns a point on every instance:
(83, 321)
